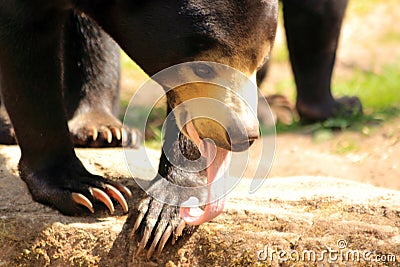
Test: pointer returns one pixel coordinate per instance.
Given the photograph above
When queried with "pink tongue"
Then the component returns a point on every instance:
(217, 167)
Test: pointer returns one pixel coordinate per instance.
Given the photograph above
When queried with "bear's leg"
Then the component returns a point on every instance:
(92, 75)
(91, 91)
(159, 219)
(312, 31)
(31, 87)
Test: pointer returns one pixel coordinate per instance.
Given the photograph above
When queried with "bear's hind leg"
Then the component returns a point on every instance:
(91, 79)
(312, 31)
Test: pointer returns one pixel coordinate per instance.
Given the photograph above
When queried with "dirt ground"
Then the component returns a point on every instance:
(339, 193)
(309, 205)
(315, 200)
(372, 157)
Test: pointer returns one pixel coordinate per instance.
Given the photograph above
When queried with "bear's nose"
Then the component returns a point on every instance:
(253, 134)
(242, 139)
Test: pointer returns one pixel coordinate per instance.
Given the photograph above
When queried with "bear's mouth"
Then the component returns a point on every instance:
(218, 160)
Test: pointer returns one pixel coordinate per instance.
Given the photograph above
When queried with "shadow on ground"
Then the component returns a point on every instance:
(296, 214)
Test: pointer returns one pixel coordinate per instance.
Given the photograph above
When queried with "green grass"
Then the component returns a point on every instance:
(377, 91)
(380, 97)
(346, 146)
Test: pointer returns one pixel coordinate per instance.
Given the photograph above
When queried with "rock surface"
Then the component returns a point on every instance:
(295, 221)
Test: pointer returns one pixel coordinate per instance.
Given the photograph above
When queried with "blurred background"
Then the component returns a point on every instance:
(367, 65)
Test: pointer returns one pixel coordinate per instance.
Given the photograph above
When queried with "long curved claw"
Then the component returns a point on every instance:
(159, 233)
(82, 200)
(123, 189)
(147, 233)
(143, 242)
(103, 197)
(137, 223)
(164, 239)
(165, 218)
(179, 230)
(151, 221)
(115, 194)
(107, 135)
(94, 133)
(142, 208)
(116, 132)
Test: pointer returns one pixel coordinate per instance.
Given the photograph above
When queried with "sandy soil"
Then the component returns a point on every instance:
(301, 207)
(314, 199)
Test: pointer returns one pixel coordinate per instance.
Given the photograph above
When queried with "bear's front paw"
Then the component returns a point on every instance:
(71, 189)
(171, 210)
(157, 221)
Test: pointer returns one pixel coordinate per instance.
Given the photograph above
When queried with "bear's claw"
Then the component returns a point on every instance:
(161, 221)
(104, 197)
(82, 200)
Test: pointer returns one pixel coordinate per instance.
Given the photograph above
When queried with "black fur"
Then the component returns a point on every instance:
(312, 31)
(57, 64)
